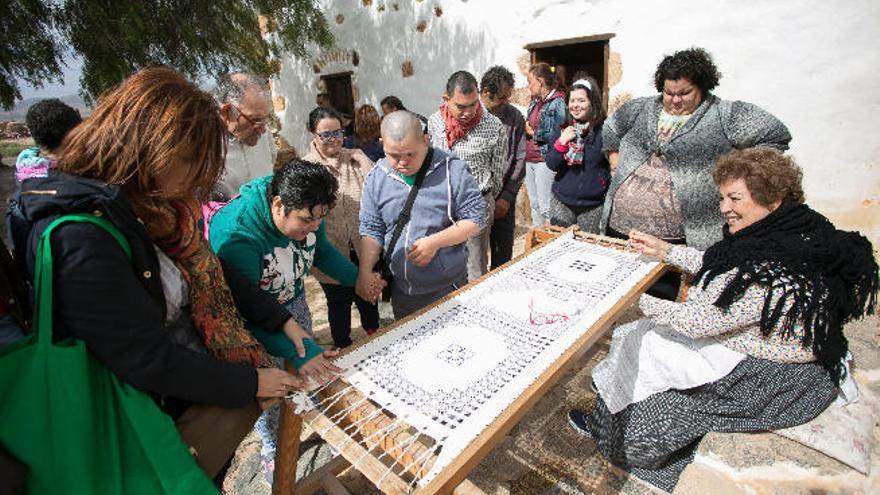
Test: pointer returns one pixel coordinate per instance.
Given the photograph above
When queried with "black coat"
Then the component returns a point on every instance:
(116, 304)
(585, 184)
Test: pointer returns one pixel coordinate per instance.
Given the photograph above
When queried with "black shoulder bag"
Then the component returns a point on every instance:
(383, 265)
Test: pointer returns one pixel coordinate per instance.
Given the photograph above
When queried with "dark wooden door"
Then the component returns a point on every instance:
(570, 56)
(340, 93)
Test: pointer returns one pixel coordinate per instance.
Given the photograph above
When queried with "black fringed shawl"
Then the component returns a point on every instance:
(830, 276)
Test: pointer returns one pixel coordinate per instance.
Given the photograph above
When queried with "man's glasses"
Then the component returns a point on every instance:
(254, 122)
(328, 136)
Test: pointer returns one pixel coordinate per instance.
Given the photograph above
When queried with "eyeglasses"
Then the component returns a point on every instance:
(328, 136)
(254, 122)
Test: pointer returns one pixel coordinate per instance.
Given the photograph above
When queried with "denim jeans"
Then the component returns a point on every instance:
(539, 181)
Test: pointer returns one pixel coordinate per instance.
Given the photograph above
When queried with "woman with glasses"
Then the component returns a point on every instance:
(349, 167)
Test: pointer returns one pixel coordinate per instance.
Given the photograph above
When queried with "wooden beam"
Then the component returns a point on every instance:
(316, 479)
(366, 463)
(287, 451)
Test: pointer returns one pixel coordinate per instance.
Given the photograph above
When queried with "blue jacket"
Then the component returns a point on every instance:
(448, 194)
(585, 184)
(550, 120)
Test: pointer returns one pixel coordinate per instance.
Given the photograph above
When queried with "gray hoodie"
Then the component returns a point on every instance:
(448, 194)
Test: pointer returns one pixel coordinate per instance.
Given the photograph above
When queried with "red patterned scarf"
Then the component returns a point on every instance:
(213, 309)
(455, 130)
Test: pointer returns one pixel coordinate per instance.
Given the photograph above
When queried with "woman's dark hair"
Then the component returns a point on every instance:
(49, 121)
(393, 102)
(594, 95)
(319, 114)
(769, 175)
(545, 73)
(301, 184)
(693, 64)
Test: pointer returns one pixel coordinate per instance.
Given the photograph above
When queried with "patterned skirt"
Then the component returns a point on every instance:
(656, 438)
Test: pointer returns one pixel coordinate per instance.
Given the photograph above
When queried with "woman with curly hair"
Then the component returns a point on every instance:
(759, 343)
(662, 149)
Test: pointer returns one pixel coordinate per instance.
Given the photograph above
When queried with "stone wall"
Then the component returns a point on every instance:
(813, 64)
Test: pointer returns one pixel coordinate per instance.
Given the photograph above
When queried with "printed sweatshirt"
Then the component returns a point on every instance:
(243, 234)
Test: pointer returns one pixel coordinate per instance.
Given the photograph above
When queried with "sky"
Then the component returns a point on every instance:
(70, 85)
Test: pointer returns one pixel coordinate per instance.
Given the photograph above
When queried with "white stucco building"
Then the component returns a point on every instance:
(813, 64)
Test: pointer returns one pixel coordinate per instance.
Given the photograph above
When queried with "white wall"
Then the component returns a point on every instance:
(813, 64)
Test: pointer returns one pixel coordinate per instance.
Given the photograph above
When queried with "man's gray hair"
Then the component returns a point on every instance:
(232, 87)
(396, 126)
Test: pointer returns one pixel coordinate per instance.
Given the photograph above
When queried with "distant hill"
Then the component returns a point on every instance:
(20, 108)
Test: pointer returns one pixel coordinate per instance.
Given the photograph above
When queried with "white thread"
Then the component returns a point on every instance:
(423, 458)
(357, 424)
(391, 425)
(342, 413)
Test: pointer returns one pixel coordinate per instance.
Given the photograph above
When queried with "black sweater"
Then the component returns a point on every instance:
(115, 304)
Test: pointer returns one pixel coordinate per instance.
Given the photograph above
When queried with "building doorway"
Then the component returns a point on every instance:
(338, 88)
(571, 55)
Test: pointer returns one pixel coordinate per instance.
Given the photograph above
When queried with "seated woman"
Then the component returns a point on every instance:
(581, 170)
(170, 319)
(759, 343)
(273, 233)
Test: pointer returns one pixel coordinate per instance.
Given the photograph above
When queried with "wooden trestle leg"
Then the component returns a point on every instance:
(287, 452)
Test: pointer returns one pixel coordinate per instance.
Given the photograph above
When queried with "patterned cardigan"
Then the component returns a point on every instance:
(715, 127)
(737, 328)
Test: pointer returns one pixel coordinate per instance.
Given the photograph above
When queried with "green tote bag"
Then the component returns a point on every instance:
(77, 427)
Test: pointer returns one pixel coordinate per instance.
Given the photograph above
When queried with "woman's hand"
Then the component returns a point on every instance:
(319, 370)
(648, 245)
(296, 334)
(612, 161)
(529, 131)
(272, 382)
(369, 286)
(567, 135)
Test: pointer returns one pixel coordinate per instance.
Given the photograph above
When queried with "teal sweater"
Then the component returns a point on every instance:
(243, 234)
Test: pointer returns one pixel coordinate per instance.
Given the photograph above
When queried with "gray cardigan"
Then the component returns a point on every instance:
(716, 127)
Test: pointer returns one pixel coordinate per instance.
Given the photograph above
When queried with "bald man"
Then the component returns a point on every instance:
(429, 259)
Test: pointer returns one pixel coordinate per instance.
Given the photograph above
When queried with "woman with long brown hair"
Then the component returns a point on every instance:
(169, 319)
(366, 132)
